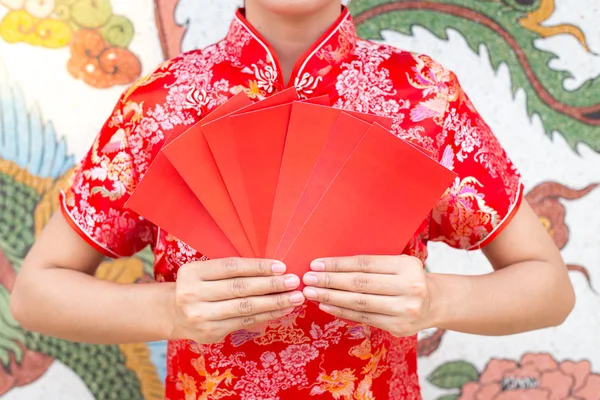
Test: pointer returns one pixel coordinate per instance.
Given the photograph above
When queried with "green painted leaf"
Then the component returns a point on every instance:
(17, 205)
(453, 375)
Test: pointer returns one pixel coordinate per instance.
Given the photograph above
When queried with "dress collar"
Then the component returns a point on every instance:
(326, 53)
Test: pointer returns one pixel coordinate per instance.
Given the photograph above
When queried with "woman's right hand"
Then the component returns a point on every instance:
(217, 297)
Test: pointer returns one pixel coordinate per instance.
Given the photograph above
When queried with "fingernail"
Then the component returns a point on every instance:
(310, 279)
(278, 267)
(310, 293)
(317, 266)
(297, 298)
(291, 282)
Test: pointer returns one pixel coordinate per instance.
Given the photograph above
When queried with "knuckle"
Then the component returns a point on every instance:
(245, 306)
(360, 282)
(183, 271)
(336, 265)
(194, 318)
(248, 321)
(418, 289)
(280, 301)
(413, 311)
(363, 263)
(327, 280)
(231, 264)
(364, 318)
(184, 296)
(361, 304)
(261, 267)
(326, 297)
(190, 272)
(238, 286)
(410, 261)
(275, 284)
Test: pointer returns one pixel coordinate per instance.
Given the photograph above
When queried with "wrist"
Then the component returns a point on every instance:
(437, 304)
(168, 314)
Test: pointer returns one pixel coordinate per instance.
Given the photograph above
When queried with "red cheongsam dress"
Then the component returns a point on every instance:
(308, 353)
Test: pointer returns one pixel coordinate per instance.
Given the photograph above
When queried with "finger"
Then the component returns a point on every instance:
(372, 319)
(371, 303)
(355, 282)
(235, 324)
(246, 286)
(227, 309)
(225, 268)
(365, 264)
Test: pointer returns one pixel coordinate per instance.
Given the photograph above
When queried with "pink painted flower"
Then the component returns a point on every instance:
(535, 377)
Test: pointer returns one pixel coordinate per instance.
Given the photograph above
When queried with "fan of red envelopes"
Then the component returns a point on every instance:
(291, 180)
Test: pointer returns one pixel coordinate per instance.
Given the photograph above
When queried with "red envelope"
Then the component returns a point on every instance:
(347, 132)
(374, 205)
(309, 128)
(163, 198)
(191, 156)
(260, 137)
(225, 195)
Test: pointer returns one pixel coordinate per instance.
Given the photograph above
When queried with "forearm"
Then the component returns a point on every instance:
(74, 306)
(521, 297)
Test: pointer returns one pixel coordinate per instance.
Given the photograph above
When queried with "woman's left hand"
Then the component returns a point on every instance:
(387, 292)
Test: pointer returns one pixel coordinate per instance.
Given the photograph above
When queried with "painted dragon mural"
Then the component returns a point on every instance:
(35, 163)
(508, 28)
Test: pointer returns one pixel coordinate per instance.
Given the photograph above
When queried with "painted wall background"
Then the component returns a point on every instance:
(530, 66)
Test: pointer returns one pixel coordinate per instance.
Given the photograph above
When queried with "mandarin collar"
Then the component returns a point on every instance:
(329, 51)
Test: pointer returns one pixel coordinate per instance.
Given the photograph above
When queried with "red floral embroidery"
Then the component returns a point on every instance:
(307, 353)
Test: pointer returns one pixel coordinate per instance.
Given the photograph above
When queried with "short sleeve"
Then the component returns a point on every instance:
(488, 190)
(93, 203)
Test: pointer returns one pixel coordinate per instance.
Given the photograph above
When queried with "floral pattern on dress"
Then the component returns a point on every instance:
(307, 353)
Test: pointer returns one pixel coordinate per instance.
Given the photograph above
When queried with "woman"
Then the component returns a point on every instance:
(239, 328)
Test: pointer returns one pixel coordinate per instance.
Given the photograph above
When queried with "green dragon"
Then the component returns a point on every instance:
(508, 29)
(33, 167)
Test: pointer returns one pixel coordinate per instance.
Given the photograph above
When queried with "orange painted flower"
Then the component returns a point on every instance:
(98, 64)
(535, 377)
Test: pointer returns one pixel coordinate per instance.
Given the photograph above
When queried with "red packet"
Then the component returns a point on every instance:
(374, 205)
(227, 194)
(193, 160)
(304, 143)
(163, 198)
(347, 132)
(260, 137)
